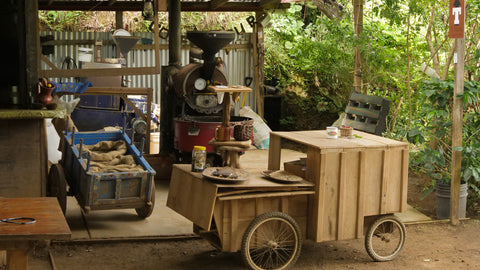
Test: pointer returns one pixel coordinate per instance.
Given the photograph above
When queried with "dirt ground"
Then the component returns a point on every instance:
(428, 246)
(436, 245)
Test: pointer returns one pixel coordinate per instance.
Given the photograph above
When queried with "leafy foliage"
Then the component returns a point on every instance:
(432, 131)
(312, 62)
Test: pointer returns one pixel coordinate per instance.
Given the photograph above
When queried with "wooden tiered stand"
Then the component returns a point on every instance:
(230, 149)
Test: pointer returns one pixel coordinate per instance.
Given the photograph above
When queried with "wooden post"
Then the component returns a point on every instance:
(456, 31)
(457, 118)
(29, 39)
(174, 33)
(226, 110)
(358, 25)
(258, 61)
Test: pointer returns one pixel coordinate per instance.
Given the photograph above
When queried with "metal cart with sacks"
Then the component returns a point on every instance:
(103, 170)
(345, 188)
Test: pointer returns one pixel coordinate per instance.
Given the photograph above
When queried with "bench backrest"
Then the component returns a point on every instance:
(367, 113)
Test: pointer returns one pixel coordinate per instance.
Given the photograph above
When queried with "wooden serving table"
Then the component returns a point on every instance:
(18, 239)
(366, 175)
(228, 208)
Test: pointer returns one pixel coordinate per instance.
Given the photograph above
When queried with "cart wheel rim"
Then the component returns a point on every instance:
(58, 185)
(385, 238)
(272, 243)
(147, 210)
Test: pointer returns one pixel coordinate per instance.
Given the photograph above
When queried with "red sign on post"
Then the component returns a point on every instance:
(456, 19)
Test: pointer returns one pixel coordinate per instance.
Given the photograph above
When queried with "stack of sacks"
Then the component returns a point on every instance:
(110, 156)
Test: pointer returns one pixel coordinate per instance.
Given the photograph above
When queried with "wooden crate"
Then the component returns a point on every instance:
(354, 179)
(357, 183)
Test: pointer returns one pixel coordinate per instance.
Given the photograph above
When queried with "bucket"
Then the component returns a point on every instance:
(85, 54)
(442, 203)
(154, 142)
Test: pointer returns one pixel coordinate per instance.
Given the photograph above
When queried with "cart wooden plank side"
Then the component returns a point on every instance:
(226, 210)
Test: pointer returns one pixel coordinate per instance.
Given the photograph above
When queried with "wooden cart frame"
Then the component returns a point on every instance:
(351, 189)
(101, 191)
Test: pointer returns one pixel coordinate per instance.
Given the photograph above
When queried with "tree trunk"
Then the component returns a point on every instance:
(428, 37)
(358, 24)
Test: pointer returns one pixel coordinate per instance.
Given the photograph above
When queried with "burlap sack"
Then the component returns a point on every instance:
(109, 156)
(106, 150)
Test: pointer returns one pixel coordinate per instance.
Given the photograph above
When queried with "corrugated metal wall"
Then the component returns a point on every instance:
(239, 62)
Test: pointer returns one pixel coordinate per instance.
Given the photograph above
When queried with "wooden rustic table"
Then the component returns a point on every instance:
(18, 239)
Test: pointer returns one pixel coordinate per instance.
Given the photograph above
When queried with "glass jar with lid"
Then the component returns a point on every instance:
(199, 158)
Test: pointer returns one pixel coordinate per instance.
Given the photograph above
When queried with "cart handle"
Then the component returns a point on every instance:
(142, 146)
(88, 163)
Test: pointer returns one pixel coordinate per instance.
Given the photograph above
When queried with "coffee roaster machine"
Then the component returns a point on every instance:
(198, 110)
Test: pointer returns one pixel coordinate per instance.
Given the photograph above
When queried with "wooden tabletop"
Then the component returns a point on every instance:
(318, 139)
(255, 180)
(59, 112)
(50, 222)
(229, 89)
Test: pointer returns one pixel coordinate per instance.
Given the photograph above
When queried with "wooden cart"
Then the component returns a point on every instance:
(97, 190)
(351, 189)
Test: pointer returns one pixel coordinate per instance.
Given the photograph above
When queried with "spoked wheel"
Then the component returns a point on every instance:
(146, 211)
(385, 238)
(57, 186)
(271, 241)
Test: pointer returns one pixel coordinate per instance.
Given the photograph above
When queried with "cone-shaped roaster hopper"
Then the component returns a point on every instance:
(124, 41)
(210, 42)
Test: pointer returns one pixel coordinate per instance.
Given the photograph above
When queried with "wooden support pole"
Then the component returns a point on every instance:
(457, 118)
(358, 25)
(258, 61)
(226, 110)
(174, 33)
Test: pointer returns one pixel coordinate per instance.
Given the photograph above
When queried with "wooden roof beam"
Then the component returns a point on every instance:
(110, 5)
(215, 4)
(269, 3)
(113, 5)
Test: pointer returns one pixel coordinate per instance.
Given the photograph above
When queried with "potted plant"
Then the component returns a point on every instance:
(432, 135)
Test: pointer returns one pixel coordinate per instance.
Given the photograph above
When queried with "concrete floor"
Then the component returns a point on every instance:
(164, 222)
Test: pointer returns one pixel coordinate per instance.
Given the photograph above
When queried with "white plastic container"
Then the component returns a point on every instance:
(332, 132)
(85, 54)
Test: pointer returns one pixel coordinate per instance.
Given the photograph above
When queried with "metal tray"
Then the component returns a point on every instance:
(241, 175)
(282, 176)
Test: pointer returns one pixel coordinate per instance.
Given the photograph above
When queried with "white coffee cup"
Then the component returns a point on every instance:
(332, 132)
